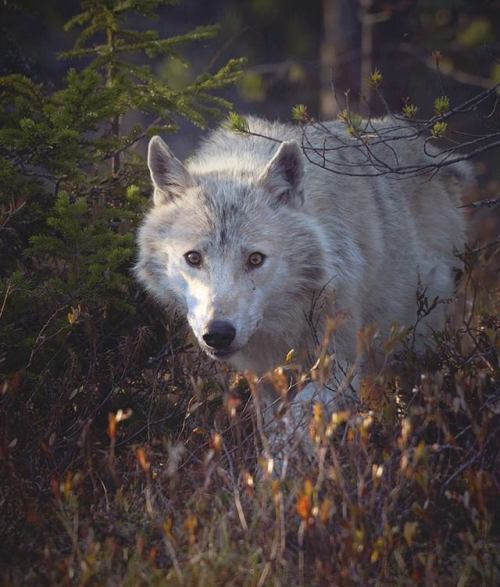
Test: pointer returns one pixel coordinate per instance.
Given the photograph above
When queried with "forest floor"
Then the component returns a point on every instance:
(164, 479)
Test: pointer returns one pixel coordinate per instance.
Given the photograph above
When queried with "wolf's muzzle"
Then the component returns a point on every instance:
(219, 335)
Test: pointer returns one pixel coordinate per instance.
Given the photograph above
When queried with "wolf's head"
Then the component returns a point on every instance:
(232, 246)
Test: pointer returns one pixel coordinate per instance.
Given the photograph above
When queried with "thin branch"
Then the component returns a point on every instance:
(483, 204)
(8, 290)
(462, 77)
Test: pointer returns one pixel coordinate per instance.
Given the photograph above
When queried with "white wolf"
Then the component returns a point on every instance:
(244, 236)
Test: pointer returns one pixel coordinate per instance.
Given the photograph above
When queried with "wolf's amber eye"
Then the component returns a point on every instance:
(193, 258)
(256, 259)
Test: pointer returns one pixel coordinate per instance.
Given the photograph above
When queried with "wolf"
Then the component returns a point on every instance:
(252, 228)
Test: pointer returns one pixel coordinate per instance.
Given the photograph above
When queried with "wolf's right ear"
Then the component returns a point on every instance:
(169, 176)
(283, 176)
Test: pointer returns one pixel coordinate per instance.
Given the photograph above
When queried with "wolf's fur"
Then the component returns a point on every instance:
(364, 243)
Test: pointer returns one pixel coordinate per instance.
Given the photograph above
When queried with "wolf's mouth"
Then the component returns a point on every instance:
(222, 355)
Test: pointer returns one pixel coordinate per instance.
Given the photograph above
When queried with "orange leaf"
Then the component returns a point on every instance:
(112, 426)
(216, 442)
(304, 507)
(141, 457)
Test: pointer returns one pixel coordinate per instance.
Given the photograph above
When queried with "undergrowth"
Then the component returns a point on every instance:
(161, 479)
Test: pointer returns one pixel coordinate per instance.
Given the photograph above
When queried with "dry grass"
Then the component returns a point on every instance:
(159, 478)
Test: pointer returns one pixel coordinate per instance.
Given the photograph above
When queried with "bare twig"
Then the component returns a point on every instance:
(328, 145)
(8, 290)
(483, 204)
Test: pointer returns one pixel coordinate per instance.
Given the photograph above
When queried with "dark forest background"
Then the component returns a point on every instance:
(292, 48)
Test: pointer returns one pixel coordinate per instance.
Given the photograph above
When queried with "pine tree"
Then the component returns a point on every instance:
(72, 189)
(136, 85)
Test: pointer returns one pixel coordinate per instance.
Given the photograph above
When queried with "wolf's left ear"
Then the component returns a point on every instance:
(169, 176)
(284, 175)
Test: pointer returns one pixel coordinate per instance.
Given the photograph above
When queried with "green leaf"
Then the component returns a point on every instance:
(237, 123)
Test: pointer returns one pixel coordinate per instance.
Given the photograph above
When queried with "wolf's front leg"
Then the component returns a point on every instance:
(284, 424)
(283, 431)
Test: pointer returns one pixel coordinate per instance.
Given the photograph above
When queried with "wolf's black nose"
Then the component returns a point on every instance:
(219, 334)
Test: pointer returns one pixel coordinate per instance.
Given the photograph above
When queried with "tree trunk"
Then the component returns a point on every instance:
(115, 130)
(368, 22)
(339, 55)
(115, 121)
(365, 89)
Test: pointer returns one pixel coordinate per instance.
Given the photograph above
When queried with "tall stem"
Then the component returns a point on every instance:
(329, 57)
(115, 120)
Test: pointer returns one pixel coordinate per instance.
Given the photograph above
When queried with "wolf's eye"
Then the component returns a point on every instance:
(193, 258)
(256, 259)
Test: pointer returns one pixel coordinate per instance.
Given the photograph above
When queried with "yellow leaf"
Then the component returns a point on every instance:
(409, 531)
(375, 78)
(317, 413)
(308, 488)
(420, 451)
(74, 314)
(168, 524)
(191, 525)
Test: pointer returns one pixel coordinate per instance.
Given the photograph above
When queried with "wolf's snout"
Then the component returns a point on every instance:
(219, 335)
